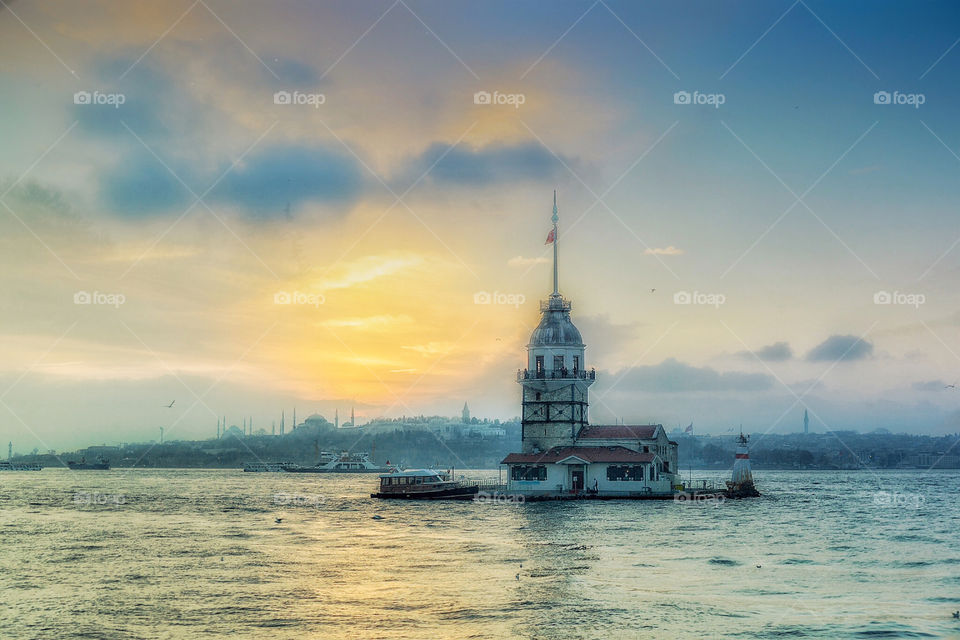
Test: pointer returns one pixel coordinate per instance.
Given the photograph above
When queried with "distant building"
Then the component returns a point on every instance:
(465, 414)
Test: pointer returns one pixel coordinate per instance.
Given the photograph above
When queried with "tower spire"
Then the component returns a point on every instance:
(555, 218)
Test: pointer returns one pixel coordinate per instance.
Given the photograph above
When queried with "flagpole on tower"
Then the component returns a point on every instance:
(555, 218)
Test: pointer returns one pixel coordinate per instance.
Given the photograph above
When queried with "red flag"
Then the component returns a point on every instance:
(551, 236)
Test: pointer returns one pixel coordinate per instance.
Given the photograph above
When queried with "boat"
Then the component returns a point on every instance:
(424, 484)
(263, 467)
(344, 463)
(102, 464)
(6, 465)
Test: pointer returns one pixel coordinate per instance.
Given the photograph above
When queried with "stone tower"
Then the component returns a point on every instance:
(556, 380)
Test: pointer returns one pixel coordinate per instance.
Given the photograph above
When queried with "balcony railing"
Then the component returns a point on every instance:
(555, 304)
(557, 374)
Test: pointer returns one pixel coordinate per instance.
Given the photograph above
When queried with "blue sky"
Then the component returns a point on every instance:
(397, 197)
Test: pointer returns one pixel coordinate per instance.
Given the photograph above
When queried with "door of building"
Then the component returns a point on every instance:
(576, 479)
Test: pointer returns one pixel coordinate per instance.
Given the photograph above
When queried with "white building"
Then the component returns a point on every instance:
(562, 454)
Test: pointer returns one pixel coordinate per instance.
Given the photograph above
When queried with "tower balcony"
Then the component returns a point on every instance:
(557, 374)
(554, 303)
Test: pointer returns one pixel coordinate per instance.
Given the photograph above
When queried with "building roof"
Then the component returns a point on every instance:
(619, 432)
(588, 454)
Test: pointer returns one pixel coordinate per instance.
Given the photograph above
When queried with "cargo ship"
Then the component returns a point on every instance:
(102, 464)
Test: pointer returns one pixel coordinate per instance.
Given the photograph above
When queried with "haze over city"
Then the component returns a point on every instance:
(757, 212)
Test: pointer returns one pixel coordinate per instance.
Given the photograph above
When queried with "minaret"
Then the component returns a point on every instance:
(353, 419)
(806, 423)
(281, 422)
(273, 428)
(294, 417)
(556, 380)
(336, 419)
(10, 450)
(244, 426)
(218, 428)
(465, 414)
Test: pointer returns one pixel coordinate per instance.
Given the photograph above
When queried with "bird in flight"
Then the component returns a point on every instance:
(170, 406)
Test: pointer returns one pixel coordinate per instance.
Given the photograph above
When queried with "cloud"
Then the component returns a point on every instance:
(367, 268)
(664, 251)
(672, 376)
(492, 164)
(277, 176)
(266, 184)
(520, 261)
(841, 347)
(776, 352)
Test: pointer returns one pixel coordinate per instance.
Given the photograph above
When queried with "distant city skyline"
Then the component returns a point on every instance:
(247, 207)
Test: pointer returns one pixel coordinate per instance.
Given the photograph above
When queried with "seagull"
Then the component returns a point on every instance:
(956, 614)
(950, 386)
(278, 520)
(378, 517)
(652, 290)
(170, 406)
(518, 576)
(758, 566)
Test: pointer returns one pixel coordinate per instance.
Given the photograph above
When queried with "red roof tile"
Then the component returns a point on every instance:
(590, 454)
(620, 431)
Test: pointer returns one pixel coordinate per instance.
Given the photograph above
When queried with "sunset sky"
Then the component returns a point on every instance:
(383, 207)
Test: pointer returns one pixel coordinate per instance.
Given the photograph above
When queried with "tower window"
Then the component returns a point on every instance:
(576, 363)
(557, 363)
(538, 395)
(539, 366)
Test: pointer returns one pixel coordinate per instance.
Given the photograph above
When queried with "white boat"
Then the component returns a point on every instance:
(6, 465)
(344, 463)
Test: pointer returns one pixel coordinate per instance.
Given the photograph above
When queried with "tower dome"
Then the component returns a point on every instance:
(556, 328)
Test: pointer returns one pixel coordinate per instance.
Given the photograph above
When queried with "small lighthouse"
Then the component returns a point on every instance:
(741, 484)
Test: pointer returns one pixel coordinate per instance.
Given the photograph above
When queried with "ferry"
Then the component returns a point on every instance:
(263, 467)
(344, 463)
(424, 484)
(102, 464)
(6, 465)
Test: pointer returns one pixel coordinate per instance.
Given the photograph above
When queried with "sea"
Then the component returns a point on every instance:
(172, 553)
